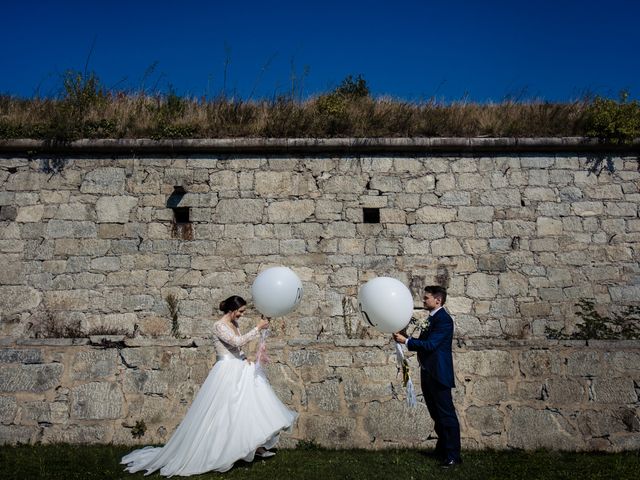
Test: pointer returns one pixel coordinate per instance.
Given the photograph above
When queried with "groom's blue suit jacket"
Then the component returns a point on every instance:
(434, 349)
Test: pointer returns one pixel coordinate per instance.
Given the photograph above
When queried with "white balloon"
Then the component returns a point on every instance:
(386, 304)
(276, 291)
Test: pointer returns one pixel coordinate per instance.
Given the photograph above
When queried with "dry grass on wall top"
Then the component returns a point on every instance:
(87, 109)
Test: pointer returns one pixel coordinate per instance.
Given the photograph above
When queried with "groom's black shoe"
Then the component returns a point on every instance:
(450, 462)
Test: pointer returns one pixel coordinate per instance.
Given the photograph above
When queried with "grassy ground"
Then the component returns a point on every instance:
(90, 462)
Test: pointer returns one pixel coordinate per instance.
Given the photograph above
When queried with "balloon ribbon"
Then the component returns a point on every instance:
(261, 356)
(406, 377)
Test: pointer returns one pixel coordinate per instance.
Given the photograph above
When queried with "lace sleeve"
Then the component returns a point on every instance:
(224, 333)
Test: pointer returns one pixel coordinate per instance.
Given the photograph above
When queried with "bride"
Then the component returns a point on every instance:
(235, 415)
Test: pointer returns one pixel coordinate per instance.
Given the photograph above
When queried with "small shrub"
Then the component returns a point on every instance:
(172, 304)
(48, 326)
(614, 122)
(336, 107)
(308, 445)
(353, 88)
(139, 429)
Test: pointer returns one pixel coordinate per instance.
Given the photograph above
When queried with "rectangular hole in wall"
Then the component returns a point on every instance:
(182, 226)
(181, 215)
(371, 215)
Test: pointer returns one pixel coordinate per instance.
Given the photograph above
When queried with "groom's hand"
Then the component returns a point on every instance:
(398, 337)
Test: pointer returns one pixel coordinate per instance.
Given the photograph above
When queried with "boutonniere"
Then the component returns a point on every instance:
(419, 324)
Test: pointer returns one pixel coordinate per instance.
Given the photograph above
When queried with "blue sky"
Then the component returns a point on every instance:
(484, 50)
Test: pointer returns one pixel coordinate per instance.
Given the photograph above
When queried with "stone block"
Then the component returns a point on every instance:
(347, 276)
(290, 211)
(416, 247)
(486, 420)
(532, 429)
(229, 211)
(341, 184)
(513, 284)
(148, 382)
(429, 231)
(619, 390)
(486, 363)
(300, 358)
(627, 362)
(72, 211)
(323, 396)
(8, 409)
(107, 181)
(29, 213)
(116, 209)
(596, 423)
(622, 209)
(446, 247)
(544, 245)
(435, 215)
(503, 308)
(385, 183)
(501, 198)
(17, 434)
(20, 355)
(490, 391)
(376, 164)
(261, 247)
(118, 322)
(71, 229)
(492, 263)
(392, 215)
(280, 184)
(105, 264)
(57, 300)
(95, 364)
(564, 391)
(540, 194)
(587, 209)
(585, 363)
(396, 422)
(548, 226)
(625, 294)
(604, 192)
(330, 431)
(339, 229)
(223, 180)
(481, 285)
(540, 363)
(412, 165)
(30, 378)
(423, 184)
(475, 214)
(17, 299)
(13, 270)
(77, 434)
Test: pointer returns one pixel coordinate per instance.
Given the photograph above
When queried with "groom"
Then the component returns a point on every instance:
(436, 373)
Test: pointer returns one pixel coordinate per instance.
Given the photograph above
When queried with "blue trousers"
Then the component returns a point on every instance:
(443, 413)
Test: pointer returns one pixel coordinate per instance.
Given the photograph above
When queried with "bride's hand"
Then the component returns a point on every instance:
(263, 323)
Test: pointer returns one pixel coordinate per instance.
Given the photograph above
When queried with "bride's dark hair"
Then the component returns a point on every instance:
(234, 302)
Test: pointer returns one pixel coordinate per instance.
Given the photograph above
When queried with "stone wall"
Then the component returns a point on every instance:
(90, 246)
(510, 394)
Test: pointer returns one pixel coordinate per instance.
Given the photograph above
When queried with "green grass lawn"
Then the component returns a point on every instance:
(87, 462)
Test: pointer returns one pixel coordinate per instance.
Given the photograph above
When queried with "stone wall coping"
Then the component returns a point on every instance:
(314, 146)
(52, 342)
(276, 344)
(159, 342)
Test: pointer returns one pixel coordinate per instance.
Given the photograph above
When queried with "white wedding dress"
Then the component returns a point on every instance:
(234, 413)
